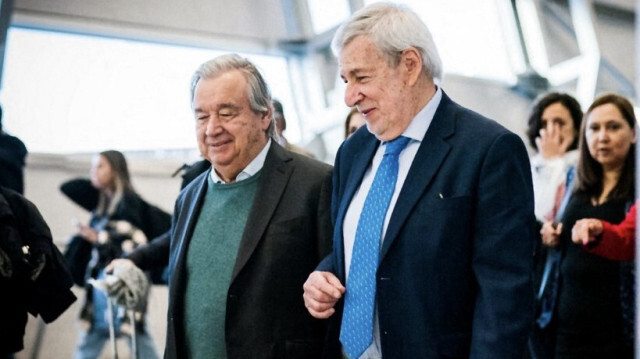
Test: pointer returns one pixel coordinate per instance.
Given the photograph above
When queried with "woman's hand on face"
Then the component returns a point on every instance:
(551, 143)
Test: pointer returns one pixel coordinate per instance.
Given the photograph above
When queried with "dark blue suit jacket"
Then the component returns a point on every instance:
(454, 279)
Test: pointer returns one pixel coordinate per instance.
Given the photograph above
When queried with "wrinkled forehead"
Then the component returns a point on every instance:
(359, 54)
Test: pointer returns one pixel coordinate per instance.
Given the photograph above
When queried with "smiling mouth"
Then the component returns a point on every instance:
(366, 112)
(218, 144)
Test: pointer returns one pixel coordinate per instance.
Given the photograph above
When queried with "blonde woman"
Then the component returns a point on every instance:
(120, 221)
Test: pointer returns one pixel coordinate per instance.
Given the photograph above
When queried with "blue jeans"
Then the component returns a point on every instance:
(91, 342)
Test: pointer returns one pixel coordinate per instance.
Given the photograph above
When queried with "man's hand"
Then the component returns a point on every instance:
(586, 231)
(322, 290)
(118, 263)
(550, 233)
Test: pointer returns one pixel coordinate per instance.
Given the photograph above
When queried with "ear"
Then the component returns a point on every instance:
(412, 63)
(267, 118)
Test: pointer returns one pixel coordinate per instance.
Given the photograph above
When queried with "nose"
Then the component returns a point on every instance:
(212, 126)
(599, 135)
(352, 95)
(602, 135)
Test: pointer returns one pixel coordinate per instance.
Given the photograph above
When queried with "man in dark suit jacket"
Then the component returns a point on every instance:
(246, 234)
(453, 276)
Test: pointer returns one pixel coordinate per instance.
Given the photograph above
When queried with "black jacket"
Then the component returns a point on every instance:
(33, 277)
(12, 161)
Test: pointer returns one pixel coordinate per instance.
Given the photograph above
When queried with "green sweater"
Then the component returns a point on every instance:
(211, 256)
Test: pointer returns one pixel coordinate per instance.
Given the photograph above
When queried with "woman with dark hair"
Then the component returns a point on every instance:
(354, 121)
(589, 317)
(120, 221)
(553, 132)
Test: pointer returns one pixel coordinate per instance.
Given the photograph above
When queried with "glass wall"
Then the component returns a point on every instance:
(70, 93)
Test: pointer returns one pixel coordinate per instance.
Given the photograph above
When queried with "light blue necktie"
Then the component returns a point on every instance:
(356, 331)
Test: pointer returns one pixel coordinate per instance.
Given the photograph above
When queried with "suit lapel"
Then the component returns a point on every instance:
(193, 204)
(275, 175)
(432, 152)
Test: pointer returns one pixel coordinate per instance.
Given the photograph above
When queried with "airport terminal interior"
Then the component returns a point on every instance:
(84, 76)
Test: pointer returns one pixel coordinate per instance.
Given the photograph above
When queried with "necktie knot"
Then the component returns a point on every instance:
(396, 146)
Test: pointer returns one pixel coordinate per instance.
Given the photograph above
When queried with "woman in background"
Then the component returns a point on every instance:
(553, 127)
(354, 121)
(120, 221)
(589, 318)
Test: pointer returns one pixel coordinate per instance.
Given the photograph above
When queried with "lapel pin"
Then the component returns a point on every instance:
(440, 195)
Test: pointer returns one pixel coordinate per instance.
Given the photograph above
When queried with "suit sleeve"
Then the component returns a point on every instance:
(617, 242)
(154, 254)
(502, 259)
(328, 263)
(325, 229)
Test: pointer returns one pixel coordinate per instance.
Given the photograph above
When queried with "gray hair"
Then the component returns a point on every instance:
(258, 90)
(393, 28)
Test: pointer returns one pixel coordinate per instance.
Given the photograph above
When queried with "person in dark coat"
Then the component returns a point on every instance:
(13, 154)
(33, 275)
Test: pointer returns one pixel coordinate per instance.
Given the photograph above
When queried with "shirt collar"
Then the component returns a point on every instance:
(418, 127)
(252, 168)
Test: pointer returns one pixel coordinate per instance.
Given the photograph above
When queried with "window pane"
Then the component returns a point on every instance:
(470, 36)
(66, 93)
(326, 14)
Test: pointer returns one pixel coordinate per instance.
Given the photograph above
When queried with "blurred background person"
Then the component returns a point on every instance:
(612, 241)
(33, 276)
(353, 122)
(589, 314)
(552, 130)
(120, 221)
(12, 160)
(553, 127)
(281, 126)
